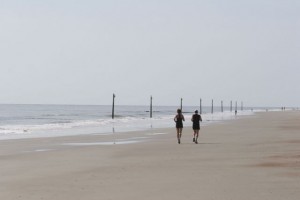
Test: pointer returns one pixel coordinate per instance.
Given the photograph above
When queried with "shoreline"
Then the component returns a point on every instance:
(111, 126)
(248, 158)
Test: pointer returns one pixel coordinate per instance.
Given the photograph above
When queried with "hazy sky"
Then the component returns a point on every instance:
(80, 52)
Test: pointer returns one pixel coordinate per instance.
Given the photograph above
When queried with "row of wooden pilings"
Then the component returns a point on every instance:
(212, 106)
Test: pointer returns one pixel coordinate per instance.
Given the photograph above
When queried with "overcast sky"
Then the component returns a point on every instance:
(83, 51)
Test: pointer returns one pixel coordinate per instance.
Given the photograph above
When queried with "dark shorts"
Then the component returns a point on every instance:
(196, 127)
(179, 125)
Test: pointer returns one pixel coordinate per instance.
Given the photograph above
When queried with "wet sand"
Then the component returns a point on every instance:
(255, 157)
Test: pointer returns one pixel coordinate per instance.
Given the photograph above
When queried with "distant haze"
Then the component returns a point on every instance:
(81, 52)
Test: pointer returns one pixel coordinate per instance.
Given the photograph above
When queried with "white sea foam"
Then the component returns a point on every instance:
(156, 133)
(100, 143)
(38, 150)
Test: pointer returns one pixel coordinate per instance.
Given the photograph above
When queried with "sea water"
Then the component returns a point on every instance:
(28, 121)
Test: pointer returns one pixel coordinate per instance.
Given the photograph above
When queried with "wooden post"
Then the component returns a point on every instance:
(212, 106)
(230, 106)
(151, 107)
(235, 107)
(181, 104)
(113, 107)
(200, 106)
(221, 106)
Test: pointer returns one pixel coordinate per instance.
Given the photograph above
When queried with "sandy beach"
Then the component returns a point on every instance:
(252, 158)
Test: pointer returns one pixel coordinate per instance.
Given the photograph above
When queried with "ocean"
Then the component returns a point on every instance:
(31, 121)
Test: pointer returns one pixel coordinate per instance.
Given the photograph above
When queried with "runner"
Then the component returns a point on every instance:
(179, 125)
(196, 125)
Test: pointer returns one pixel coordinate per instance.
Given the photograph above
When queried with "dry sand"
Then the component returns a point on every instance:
(255, 157)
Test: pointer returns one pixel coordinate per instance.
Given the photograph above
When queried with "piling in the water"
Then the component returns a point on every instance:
(181, 104)
(221, 106)
(235, 108)
(200, 106)
(151, 107)
(113, 107)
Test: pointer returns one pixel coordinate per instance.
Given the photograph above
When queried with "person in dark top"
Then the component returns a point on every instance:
(196, 125)
(179, 125)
